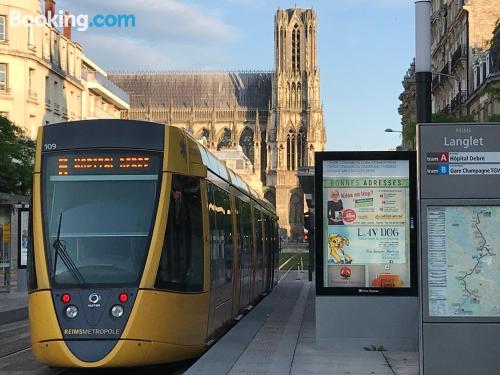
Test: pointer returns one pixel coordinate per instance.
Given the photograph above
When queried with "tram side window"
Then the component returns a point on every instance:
(245, 242)
(220, 233)
(181, 263)
(258, 238)
(269, 246)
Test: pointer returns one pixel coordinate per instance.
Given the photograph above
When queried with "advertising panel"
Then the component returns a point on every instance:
(366, 223)
(23, 238)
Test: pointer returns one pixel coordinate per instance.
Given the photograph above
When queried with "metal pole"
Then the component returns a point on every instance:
(423, 75)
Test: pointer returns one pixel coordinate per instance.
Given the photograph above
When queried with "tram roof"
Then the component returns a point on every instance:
(219, 168)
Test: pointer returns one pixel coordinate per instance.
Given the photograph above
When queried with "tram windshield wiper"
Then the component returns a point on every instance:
(60, 250)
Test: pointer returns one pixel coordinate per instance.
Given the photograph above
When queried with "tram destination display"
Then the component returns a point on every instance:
(366, 224)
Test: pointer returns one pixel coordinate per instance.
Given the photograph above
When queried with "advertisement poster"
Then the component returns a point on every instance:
(366, 230)
(23, 240)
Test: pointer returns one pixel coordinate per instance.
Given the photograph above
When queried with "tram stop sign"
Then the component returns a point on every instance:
(459, 211)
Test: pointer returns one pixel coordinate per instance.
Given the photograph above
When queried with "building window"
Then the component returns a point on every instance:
(31, 83)
(296, 48)
(3, 77)
(31, 35)
(31, 78)
(71, 63)
(46, 46)
(3, 28)
(301, 148)
(290, 151)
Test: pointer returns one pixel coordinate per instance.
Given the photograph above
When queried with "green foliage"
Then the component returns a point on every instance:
(409, 134)
(16, 159)
(494, 118)
(493, 91)
(443, 117)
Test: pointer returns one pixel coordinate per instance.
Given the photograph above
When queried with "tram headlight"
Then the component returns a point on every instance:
(71, 311)
(117, 311)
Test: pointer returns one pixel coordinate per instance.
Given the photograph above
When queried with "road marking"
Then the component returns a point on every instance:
(284, 264)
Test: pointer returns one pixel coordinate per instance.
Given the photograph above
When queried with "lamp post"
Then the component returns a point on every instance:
(423, 75)
(403, 144)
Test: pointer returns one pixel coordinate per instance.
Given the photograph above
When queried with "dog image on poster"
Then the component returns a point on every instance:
(336, 245)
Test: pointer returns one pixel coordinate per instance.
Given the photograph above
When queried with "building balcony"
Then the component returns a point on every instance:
(446, 109)
(445, 69)
(458, 55)
(4, 90)
(435, 82)
(458, 100)
(102, 86)
(57, 109)
(32, 95)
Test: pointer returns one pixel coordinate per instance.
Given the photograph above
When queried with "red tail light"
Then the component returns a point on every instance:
(123, 297)
(66, 298)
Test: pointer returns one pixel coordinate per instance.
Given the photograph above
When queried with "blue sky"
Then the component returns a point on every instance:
(364, 50)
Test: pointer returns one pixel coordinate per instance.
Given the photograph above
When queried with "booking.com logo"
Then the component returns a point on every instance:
(82, 22)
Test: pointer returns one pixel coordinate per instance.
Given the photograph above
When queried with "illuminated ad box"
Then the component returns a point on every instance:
(366, 223)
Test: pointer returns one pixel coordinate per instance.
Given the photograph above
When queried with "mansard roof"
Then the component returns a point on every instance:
(252, 89)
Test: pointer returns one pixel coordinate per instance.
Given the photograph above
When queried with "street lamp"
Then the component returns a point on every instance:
(389, 130)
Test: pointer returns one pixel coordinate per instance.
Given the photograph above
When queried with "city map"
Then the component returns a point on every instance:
(463, 262)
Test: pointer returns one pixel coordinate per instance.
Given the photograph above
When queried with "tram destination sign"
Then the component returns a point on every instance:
(451, 152)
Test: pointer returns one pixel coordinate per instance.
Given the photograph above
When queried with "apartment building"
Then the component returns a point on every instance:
(462, 31)
(45, 76)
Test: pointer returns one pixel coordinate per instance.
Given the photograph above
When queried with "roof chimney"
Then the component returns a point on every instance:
(67, 25)
(50, 7)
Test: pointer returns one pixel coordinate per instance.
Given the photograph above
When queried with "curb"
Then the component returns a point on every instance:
(14, 315)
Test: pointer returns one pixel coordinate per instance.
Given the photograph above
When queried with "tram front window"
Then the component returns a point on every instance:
(98, 215)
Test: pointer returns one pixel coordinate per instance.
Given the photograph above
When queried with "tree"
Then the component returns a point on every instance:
(17, 153)
(444, 117)
(409, 134)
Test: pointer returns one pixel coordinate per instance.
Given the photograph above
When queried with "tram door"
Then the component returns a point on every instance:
(259, 256)
(269, 252)
(245, 247)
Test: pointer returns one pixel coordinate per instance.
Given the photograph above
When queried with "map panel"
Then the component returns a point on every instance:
(463, 262)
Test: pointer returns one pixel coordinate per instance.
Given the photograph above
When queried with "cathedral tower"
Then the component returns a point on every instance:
(295, 127)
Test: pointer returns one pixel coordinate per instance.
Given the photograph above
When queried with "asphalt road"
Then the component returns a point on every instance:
(16, 357)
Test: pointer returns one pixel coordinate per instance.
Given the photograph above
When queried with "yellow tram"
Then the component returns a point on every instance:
(145, 246)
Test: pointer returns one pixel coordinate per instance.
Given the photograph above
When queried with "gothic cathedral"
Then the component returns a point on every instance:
(272, 119)
(295, 125)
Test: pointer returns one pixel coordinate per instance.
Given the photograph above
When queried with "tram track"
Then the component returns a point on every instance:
(19, 351)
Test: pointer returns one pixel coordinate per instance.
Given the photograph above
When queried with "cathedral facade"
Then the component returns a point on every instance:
(274, 117)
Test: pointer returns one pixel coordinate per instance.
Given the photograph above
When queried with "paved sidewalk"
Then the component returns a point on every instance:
(278, 337)
(13, 306)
